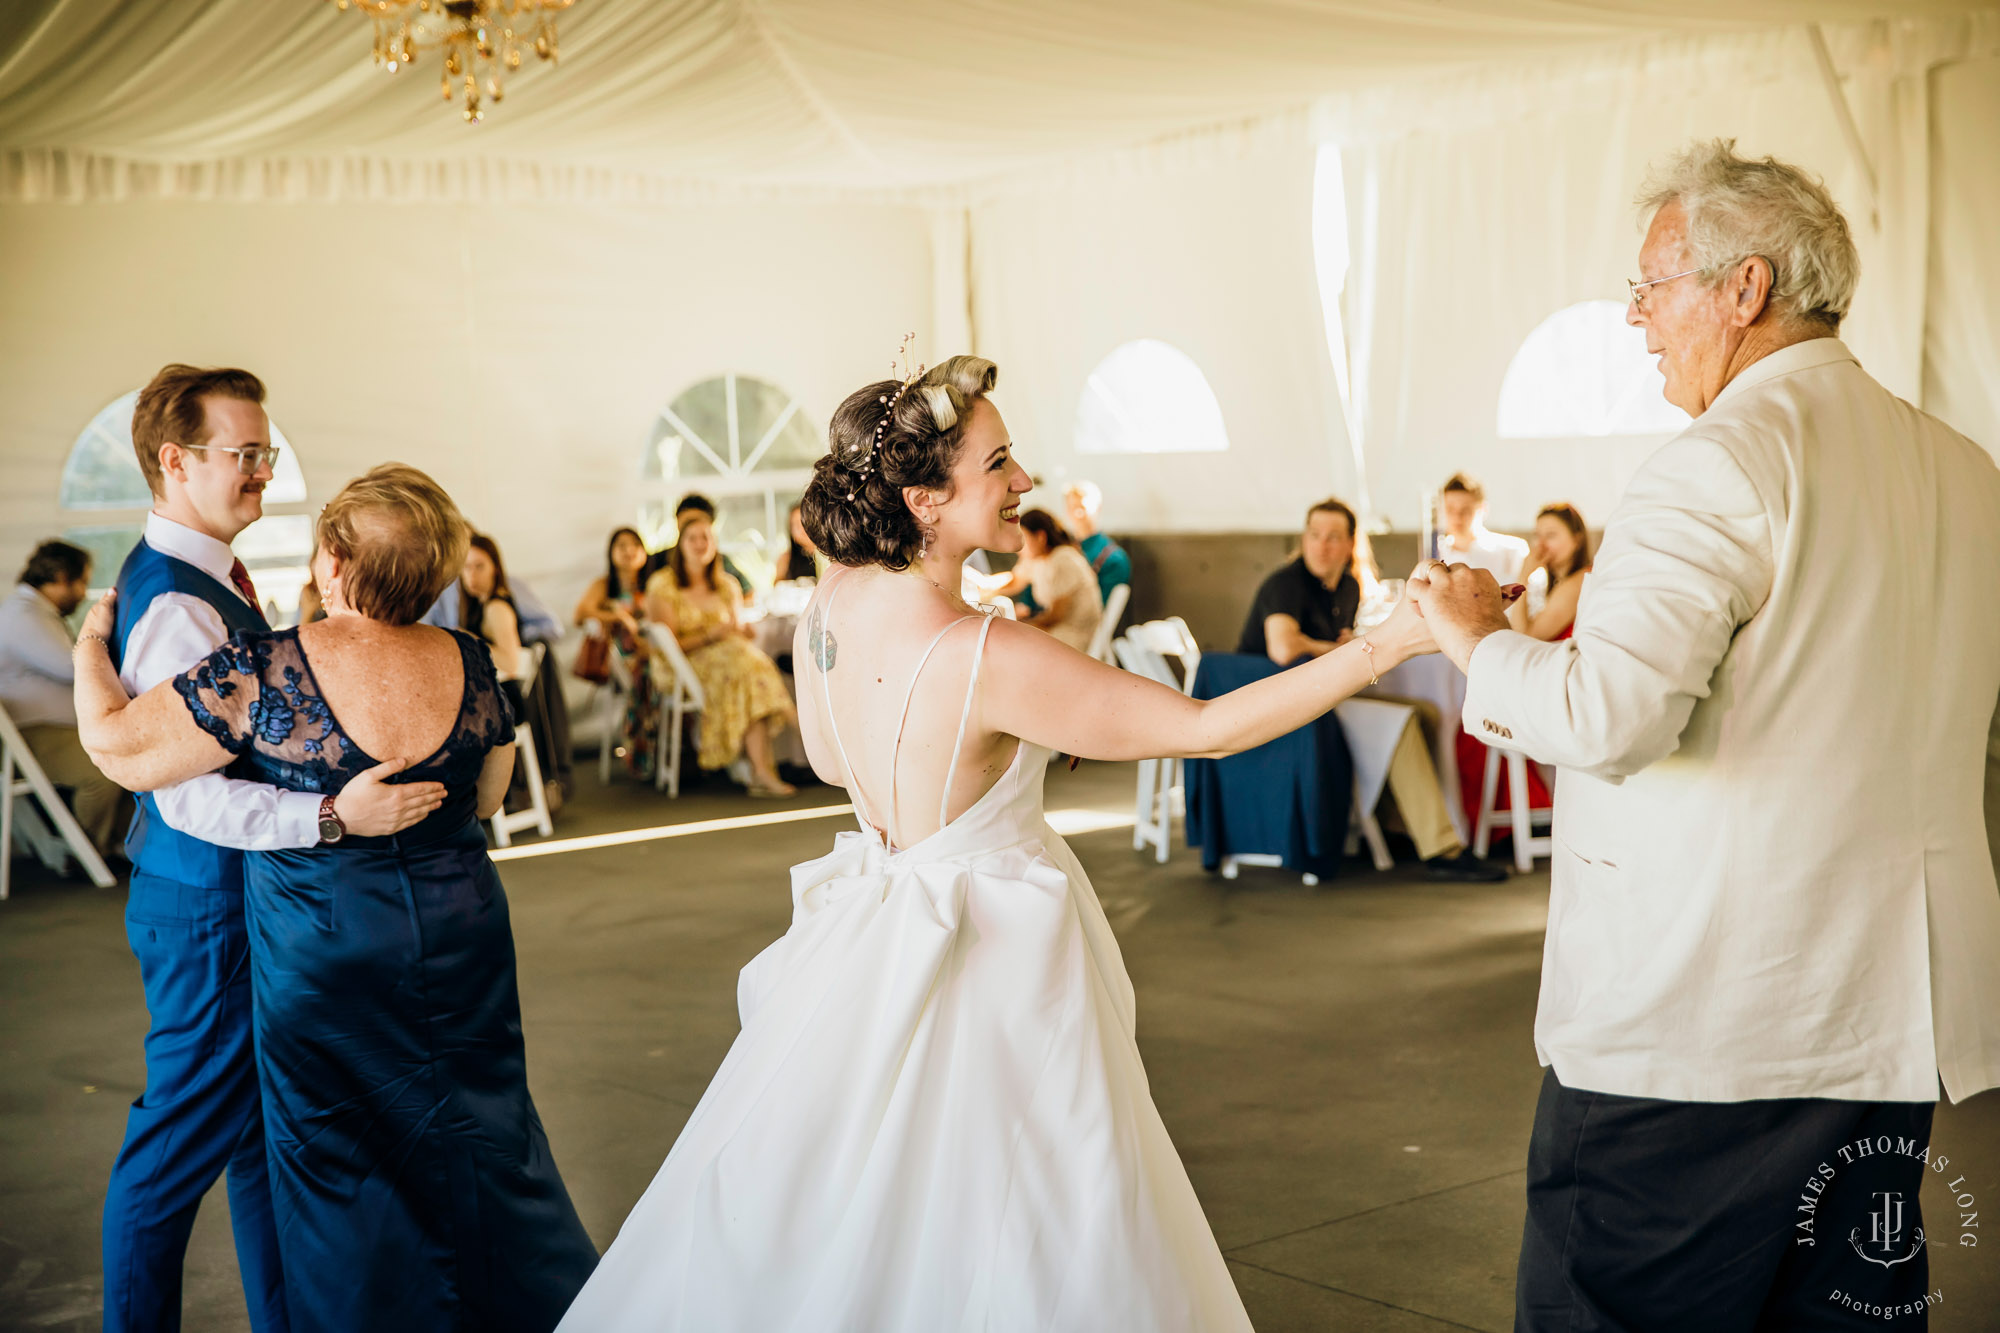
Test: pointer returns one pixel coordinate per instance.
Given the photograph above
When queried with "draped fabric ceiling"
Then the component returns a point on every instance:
(783, 187)
(97, 95)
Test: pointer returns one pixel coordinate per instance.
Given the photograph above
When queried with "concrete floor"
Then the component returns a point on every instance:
(1347, 1072)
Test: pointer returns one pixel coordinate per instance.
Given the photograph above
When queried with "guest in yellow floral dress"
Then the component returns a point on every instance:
(746, 703)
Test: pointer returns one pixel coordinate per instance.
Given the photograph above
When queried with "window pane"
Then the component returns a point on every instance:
(1149, 398)
(274, 540)
(108, 545)
(670, 455)
(798, 445)
(766, 416)
(1585, 372)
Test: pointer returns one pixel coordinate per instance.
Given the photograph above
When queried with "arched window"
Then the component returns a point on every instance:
(1149, 397)
(1583, 372)
(744, 443)
(104, 503)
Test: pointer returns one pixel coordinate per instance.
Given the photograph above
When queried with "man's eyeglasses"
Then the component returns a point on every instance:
(248, 458)
(1639, 287)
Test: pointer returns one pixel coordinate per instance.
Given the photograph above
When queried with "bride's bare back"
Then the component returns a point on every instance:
(872, 645)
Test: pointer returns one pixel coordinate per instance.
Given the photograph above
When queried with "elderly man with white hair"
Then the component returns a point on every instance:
(1773, 923)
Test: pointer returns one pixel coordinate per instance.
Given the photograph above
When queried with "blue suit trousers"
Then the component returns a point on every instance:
(199, 1117)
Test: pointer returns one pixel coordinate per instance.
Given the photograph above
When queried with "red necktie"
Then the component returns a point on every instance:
(240, 576)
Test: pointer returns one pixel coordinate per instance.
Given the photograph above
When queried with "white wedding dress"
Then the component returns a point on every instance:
(935, 1119)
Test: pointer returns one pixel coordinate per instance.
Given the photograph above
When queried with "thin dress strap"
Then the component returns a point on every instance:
(964, 716)
(896, 755)
(826, 695)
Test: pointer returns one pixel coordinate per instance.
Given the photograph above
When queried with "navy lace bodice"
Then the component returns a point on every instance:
(257, 696)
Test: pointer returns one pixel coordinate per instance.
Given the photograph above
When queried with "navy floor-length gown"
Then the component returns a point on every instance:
(413, 1184)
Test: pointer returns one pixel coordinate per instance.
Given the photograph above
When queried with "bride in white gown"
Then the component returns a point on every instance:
(935, 1119)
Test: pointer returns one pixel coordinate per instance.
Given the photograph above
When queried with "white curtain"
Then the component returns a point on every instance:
(1213, 256)
(1962, 337)
(1480, 206)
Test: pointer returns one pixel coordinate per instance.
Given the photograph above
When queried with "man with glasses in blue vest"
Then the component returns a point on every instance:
(203, 443)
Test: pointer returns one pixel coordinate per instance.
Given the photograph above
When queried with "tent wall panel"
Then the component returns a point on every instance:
(1215, 260)
(519, 352)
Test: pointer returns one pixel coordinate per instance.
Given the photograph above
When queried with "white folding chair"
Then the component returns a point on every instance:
(1107, 625)
(1230, 864)
(536, 815)
(608, 702)
(1521, 819)
(20, 775)
(1171, 638)
(684, 696)
(1159, 779)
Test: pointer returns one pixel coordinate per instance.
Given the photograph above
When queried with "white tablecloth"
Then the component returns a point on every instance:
(1435, 680)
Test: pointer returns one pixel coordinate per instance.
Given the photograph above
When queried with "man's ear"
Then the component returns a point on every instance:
(1750, 290)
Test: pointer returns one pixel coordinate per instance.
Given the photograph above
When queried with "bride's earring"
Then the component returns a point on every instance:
(924, 553)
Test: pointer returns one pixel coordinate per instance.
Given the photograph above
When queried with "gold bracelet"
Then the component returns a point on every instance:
(1369, 649)
(87, 636)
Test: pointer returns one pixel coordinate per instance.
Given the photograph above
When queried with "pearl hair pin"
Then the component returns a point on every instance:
(865, 464)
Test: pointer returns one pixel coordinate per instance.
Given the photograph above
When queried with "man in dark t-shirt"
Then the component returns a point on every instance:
(1306, 609)
(1313, 615)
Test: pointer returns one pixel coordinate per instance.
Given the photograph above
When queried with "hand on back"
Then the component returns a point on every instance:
(373, 807)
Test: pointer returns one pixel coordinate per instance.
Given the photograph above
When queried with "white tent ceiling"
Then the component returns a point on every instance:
(857, 94)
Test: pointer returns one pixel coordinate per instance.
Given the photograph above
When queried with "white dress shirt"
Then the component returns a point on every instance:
(175, 632)
(37, 673)
(1495, 552)
(1771, 875)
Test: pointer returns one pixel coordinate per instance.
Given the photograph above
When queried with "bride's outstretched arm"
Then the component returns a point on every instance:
(1049, 694)
(141, 744)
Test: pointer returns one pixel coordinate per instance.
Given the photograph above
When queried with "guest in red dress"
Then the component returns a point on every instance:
(1561, 552)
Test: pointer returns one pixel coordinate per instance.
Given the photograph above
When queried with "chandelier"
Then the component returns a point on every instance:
(482, 40)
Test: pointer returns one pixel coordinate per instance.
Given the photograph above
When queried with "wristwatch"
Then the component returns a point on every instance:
(331, 830)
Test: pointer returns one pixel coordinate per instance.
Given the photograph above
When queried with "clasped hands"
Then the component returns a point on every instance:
(1448, 609)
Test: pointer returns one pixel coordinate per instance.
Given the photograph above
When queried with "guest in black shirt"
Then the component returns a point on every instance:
(1307, 607)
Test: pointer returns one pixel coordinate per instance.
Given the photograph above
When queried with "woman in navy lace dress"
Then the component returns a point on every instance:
(412, 1181)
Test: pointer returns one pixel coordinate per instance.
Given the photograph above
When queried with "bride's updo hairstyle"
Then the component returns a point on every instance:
(885, 437)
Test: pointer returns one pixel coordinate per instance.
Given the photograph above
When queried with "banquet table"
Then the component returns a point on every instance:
(1435, 680)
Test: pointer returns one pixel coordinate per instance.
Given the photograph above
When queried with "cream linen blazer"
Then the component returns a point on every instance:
(1771, 874)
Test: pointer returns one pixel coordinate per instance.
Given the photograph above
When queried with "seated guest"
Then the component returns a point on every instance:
(1305, 609)
(486, 611)
(538, 623)
(800, 560)
(745, 700)
(616, 604)
(1463, 538)
(1053, 572)
(700, 506)
(36, 675)
(1561, 556)
(1107, 559)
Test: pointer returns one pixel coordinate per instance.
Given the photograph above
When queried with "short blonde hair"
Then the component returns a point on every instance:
(1740, 207)
(401, 541)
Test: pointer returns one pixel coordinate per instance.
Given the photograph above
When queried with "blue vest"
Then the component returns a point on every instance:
(154, 846)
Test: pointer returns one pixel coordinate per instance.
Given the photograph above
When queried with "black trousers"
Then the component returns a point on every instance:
(1654, 1216)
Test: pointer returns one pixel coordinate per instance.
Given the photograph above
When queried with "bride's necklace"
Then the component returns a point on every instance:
(916, 571)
